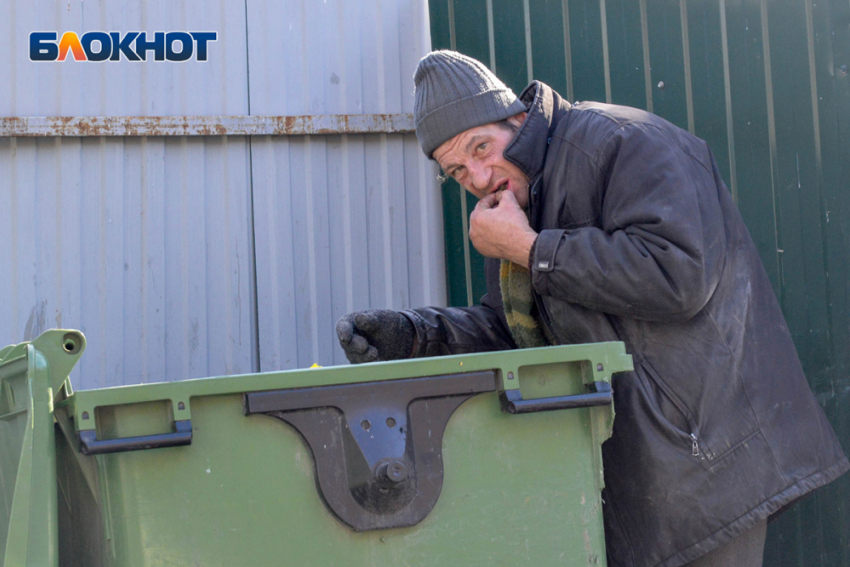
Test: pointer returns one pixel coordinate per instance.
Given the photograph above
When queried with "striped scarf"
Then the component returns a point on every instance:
(515, 283)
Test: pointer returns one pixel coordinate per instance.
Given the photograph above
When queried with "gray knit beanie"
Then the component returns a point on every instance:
(455, 93)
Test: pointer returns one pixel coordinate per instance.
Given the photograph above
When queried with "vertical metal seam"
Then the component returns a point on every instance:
(13, 56)
(188, 204)
(452, 32)
(491, 35)
(529, 60)
(467, 260)
(273, 304)
(686, 56)
(771, 134)
(606, 64)
(426, 186)
(58, 90)
(727, 86)
(226, 258)
(13, 225)
(423, 227)
(647, 61)
(810, 44)
(143, 83)
(58, 223)
(13, 192)
(348, 241)
(255, 330)
(103, 68)
(568, 49)
(247, 59)
(309, 190)
(143, 253)
(386, 216)
(381, 60)
(185, 291)
(387, 223)
(102, 311)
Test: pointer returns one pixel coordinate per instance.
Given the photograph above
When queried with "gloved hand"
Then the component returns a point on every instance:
(376, 334)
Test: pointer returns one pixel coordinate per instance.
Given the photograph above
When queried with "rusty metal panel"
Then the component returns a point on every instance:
(348, 222)
(134, 126)
(143, 243)
(160, 177)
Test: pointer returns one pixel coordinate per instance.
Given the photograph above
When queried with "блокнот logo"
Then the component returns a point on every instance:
(109, 46)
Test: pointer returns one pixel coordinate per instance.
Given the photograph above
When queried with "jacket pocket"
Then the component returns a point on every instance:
(672, 412)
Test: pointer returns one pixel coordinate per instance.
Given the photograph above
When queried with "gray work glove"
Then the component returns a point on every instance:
(376, 334)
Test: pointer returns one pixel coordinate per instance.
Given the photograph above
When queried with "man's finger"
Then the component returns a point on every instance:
(365, 322)
(345, 330)
(358, 345)
(371, 355)
(509, 199)
(489, 201)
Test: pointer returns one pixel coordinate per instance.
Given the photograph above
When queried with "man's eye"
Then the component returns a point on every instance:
(457, 172)
(482, 146)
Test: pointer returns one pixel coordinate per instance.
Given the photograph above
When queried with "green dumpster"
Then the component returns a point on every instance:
(487, 459)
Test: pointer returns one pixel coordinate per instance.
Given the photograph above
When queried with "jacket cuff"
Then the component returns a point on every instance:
(543, 258)
(531, 256)
(420, 327)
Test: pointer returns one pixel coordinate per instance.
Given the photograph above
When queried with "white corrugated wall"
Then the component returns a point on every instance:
(342, 222)
(182, 257)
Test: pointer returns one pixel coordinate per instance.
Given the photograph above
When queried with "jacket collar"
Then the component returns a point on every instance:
(528, 148)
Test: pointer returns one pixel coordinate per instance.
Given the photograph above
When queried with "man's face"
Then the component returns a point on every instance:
(475, 159)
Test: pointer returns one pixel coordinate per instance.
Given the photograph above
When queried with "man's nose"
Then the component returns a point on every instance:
(480, 178)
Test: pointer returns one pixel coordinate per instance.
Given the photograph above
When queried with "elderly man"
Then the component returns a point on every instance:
(607, 223)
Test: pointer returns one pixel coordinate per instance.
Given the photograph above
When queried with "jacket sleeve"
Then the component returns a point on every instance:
(459, 330)
(658, 251)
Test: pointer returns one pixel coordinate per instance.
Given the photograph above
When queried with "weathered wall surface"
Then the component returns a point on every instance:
(196, 255)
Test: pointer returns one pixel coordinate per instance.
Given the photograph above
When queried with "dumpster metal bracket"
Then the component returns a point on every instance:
(377, 446)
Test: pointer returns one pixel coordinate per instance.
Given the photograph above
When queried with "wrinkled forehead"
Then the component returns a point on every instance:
(456, 148)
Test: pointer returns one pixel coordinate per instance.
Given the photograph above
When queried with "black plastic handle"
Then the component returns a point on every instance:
(600, 395)
(182, 435)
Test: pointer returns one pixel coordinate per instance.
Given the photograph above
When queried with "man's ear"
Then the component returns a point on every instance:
(518, 119)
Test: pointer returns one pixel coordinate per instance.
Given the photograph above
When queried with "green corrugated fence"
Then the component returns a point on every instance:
(766, 84)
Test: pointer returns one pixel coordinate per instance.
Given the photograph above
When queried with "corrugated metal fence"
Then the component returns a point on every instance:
(766, 84)
(180, 220)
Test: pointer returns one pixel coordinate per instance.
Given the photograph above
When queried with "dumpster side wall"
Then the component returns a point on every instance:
(767, 85)
(83, 525)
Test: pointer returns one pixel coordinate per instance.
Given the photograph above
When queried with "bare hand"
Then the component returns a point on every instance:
(499, 228)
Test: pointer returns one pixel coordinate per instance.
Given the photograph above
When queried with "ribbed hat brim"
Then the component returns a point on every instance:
(455, 93)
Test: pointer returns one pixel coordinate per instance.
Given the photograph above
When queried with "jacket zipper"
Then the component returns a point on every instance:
(695, 449)
(541, 309)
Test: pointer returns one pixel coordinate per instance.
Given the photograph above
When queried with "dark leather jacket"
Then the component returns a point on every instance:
(640, 242)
